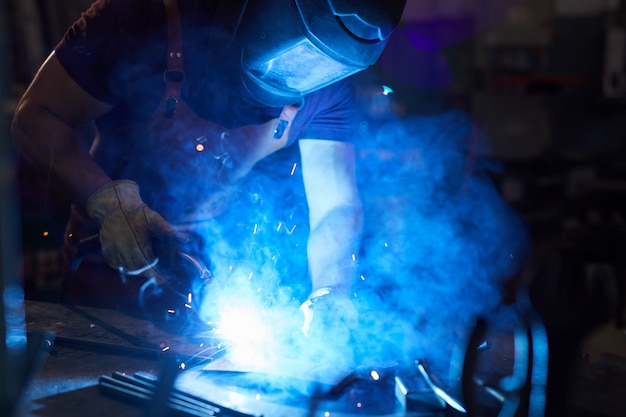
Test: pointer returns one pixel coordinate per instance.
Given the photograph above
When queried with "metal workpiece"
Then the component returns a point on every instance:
(438, 388)
(414, 394)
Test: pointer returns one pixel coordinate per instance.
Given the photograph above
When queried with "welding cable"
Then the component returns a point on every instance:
(469, 388)
(530, 370)
(139, 271)
(512, 386)
(538, 373)
(142, 292)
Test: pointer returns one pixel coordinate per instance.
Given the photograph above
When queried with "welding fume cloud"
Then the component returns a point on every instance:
(439, 247)
(440, 243)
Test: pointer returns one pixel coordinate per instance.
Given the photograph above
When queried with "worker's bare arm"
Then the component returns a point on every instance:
(44, 129)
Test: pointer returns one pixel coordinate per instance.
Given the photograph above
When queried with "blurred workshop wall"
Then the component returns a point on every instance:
(9, 242)
(37, 25)
(35, 28)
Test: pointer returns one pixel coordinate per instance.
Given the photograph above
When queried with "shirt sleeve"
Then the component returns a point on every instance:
(329, 113)
(104, 36)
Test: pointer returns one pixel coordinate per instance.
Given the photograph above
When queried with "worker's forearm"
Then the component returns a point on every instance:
(332, 248)
(53, 149)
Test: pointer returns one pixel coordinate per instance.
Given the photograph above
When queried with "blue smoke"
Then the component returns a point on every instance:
(439, 245)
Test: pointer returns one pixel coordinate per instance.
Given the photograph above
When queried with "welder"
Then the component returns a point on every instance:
(186, 97)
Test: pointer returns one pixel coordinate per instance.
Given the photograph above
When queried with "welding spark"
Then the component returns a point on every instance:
(255, 229)
(288, 231)
(483, 346)
(187, 305)
(250, 276)
(362, 277)
(353, 257)
(375, 375)
(199, 147)
(165, 349)
(258, 396)
(387, 90)
(293, 168)
(189, 298)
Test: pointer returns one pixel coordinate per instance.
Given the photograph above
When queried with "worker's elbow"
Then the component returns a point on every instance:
(19, 124)
(27, 121)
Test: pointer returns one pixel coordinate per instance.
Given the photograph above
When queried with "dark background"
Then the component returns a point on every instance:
(545, 82)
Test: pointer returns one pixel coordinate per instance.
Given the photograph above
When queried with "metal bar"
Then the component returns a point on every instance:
(233, 413)
(174, 395)
(141, 387)
(132, 394)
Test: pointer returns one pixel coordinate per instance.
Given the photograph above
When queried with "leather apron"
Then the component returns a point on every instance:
(185, 166)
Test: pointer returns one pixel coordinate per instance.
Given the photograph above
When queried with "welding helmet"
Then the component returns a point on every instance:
(293, 47)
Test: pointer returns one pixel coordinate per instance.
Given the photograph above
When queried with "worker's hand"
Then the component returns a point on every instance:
(330, 330)
(128, 229)
(327, 311)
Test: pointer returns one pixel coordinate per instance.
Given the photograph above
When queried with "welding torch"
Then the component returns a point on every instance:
(172, 295)
(195, 266)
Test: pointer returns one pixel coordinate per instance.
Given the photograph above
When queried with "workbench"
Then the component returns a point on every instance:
(82, 344)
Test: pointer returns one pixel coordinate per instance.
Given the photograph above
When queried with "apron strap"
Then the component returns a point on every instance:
(175, 74)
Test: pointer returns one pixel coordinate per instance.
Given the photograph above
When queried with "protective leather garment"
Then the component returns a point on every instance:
(184, 164)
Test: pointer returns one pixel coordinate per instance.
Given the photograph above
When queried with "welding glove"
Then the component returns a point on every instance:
(129, 229)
